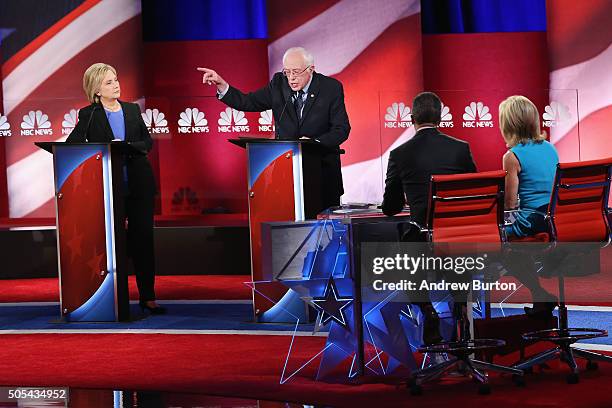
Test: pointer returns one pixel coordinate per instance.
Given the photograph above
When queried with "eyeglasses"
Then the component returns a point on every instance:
(294, 72)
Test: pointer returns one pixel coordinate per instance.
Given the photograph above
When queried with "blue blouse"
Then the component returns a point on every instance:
(117, 123)
(538, 166)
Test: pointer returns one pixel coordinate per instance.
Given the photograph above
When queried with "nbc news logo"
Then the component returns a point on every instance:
(193, 121)
(265, 121)
(155, 121)
(36, 123)
(555, 113)
(232, 120)
(69, 122)
(477, 115)
(398, 116)
(5, 126)
(446, 118)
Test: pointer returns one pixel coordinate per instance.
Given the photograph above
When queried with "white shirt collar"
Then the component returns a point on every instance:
(426, 127)
(305, 89)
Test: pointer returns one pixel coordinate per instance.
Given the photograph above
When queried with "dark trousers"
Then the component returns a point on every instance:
(140, 243)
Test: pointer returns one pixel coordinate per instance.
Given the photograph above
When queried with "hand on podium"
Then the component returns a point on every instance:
(210, 77)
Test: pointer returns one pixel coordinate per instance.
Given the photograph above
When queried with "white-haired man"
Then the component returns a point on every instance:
(304, 104)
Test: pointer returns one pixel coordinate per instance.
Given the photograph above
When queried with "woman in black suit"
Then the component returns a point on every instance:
(107, 119)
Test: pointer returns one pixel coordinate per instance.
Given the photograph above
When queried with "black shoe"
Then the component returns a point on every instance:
(540, 310)
(156, 310)
(431, 326)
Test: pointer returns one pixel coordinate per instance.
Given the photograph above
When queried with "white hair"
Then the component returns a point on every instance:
(308, 58)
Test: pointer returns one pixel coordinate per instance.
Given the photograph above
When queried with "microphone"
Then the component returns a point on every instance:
(89, 121)
(291, 95)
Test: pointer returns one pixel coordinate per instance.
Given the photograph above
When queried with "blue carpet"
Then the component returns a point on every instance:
(186, 316)
(576, 318)
(179, 317)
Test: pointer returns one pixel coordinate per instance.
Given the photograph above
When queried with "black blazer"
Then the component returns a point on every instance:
(412, 164)
(324, 117)
(141, 182)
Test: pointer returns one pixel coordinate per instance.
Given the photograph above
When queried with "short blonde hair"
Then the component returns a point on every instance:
(519, 121)
(92, 80)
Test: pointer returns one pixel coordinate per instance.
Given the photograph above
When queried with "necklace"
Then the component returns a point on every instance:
(116, 106)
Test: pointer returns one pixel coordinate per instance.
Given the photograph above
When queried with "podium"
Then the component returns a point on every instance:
(284, 184)
(89, 185)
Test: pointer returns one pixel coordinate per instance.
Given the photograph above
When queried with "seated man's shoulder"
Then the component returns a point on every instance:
(453, 140)
(404, 148)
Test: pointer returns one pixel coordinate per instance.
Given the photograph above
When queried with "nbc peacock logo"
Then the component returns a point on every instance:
(192, 120)
(446, 118)
(265, 121)
(36, 123)
(555, 113)
(5, 126)
(232, 120)
(477, 115)
(156, 121)
(70, 121)
(398, 116)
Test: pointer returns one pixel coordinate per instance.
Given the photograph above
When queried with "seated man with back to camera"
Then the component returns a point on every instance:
(409, 171)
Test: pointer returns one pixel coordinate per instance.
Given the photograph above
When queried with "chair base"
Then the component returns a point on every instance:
(462, 362)
(566, 353)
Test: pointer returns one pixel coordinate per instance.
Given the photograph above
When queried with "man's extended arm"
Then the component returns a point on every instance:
(257, 101)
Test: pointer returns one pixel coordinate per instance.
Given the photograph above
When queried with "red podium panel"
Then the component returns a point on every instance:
(284, 179)
(91, 241)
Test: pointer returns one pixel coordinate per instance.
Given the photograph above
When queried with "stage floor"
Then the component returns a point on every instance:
(208, 347)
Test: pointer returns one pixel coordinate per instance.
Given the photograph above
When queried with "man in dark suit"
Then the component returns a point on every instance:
(305, 105)
(428, 152)
(409, 172)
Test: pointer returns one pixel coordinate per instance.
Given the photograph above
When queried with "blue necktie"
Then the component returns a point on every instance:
(299, 103)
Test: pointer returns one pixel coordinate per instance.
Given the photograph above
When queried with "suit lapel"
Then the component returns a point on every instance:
(125, 120)
(289, 107)
(313, 92)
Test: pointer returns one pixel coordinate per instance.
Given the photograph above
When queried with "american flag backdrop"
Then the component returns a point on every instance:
(375, 48)
(42, 83)
(580, 56)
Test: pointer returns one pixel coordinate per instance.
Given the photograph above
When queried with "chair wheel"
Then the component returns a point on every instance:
(518, 380)
(484, 389)
(592, 365)
(573, 378)
(416, 390)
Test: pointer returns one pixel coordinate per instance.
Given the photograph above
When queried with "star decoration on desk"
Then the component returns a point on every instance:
(408, 314)
(330, 306)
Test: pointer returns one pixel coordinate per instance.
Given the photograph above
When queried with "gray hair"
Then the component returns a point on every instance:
(308, 58)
